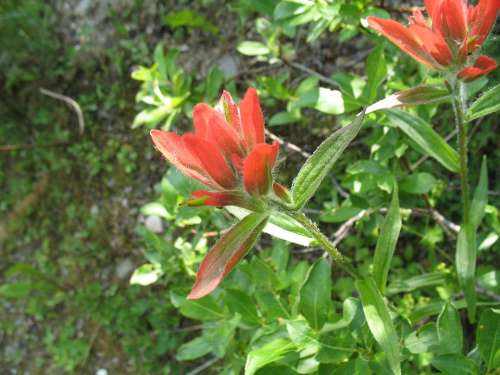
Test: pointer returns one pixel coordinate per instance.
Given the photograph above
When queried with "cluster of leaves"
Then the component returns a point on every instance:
(297, 328)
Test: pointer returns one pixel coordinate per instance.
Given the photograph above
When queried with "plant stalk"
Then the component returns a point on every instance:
(458, 110)
(323, 241)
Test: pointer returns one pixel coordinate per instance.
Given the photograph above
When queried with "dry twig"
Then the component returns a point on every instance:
(71, 102)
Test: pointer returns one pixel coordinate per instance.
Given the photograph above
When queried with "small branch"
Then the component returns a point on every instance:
(288, 145)
(495, 297)
(398, 9)
(305, 154)
(310, 71)
(340, 190)
(345, 228)
(28, 146)
(205, 365)
(71, 102)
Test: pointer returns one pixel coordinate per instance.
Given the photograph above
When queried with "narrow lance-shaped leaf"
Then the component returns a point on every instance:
(279, 225)
(319, 164)
(379, 322)
(230, 248)
(486, 104)
(424, 136)
(269, 353)
(315, 294)
(414, 96)
(465, 259)
(488, 338)
(449, 329)
(480, 199)
(466, 255)
(376, 69)
(386, 244)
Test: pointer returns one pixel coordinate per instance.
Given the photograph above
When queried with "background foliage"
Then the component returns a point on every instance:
(98, 251)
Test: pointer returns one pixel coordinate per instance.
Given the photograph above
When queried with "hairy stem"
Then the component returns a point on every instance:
(458, 110)
(323, 241)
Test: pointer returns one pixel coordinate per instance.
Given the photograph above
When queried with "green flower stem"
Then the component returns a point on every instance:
(458, 101)
(323, 241)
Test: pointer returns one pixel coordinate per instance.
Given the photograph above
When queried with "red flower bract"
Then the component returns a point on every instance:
(482, 66)
(456, 31)
(227, 151)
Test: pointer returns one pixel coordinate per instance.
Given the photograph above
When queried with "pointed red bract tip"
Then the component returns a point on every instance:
(252, 119)
(257, 168)
(405, 39)
(226, 253)
(482, 66)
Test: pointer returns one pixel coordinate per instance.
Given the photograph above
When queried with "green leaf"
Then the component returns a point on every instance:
(146, 274)
(422, 133)
(269, 353)
(488, 338)
(283, 118)
(315, 294)
(465, 260)
(239, 302)
(449, 329)
(322, 99)
(336, 347)
(480, 199)
(319, 164)
(490, 281)
(156, 209)
(251, 48)
(376, 69)
(16, 290)
(416, 282)
(279, 225)
(193, 349)
(455, 364)
(414, 96)
(386, 243)
(379, 321)
(201, 309)
(418, 183)
(329, 101)
(425, 340)
(151, 117)
(486, 104)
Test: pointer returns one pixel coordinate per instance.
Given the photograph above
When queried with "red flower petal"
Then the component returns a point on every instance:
(226, 253)
(211, 126)
(483, 65)
(216, 198)
(484, 15)
(258, 166)
(230, 110)
(212, 160)
(431, 6)
(433, 43)
(404, 39)
(454, 13)
(172, 147)
(252, 119)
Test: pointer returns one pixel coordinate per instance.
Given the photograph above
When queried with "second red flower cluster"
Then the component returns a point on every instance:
(449, 41)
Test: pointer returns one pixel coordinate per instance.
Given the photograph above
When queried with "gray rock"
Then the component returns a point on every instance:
(124, 268)
(154, 224)
(228, 64)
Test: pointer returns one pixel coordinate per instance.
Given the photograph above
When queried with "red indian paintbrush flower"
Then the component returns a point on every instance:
(227, 151)
(456, 31)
